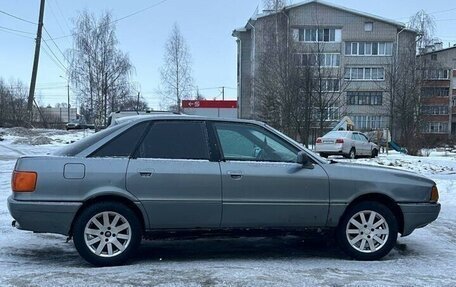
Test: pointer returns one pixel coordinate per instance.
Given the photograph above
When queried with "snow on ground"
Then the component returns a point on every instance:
(425, 258)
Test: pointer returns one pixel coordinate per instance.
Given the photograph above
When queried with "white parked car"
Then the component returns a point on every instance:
(350, 144)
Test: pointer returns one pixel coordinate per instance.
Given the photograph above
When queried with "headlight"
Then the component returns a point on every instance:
(434, 194)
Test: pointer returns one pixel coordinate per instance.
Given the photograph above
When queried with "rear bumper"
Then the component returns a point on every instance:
(417, 215)
(331, 149)
(43, 216)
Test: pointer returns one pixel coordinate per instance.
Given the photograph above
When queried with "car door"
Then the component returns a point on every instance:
(173, 177)
(263, 186)
(365, 144)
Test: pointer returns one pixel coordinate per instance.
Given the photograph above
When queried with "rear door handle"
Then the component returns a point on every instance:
(235, 174)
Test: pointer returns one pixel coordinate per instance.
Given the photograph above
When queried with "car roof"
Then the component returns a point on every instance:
(139, 118)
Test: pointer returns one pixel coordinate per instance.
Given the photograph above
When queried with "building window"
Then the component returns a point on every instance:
(368, 26)
(436, 74)
(365, 122)
(429, 92)
(434, 57)
(435, 110)
(321, 60)
(330, 113)
(365, 74)
(365, 98)
(317, 34)
(436, 128)
(368, 48)
(330, 85)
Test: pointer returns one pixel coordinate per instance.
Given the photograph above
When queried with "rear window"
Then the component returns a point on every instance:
(336, 134)
(175, 140)
(77, 147)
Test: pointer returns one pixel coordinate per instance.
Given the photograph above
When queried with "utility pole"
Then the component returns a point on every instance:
(31, 97)
(223, 93)
(137, 102)
(68, 95)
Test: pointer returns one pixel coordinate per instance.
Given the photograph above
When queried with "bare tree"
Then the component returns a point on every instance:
(99, 71)
(283, 86)
(425, 25)
(403, 76)
(176, 78)
(328, 87)
(274, 5)
(13, 103)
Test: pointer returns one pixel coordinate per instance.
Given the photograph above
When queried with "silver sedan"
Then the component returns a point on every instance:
(350, 144)
(177, 176)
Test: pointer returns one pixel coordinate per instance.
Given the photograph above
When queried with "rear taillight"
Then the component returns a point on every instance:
(23, 181)
(318, 140)
(339, 141)
(434, 194)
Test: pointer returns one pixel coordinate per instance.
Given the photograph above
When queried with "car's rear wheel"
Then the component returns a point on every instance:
(107, 233)
(367, 231)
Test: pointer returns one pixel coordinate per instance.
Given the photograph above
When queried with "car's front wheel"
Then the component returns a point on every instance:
(367, 231)
(107, 233)
(351, 154)
(374, 153)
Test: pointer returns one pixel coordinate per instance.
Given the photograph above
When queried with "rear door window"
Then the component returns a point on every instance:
(175, 140)
(122, 145)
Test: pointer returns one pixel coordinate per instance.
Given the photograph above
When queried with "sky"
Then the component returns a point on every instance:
(205, 24)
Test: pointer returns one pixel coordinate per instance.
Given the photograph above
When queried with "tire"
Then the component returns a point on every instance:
(323, 155)
(91, 230)
(352, 153)
(357, 241)
(374, 153)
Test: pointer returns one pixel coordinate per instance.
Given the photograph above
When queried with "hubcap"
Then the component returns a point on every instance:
(367, 231)
(107, 234)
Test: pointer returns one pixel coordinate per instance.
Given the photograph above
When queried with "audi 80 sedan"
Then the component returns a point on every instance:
(172, 173)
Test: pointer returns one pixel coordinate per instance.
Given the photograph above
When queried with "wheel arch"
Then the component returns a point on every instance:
(135, 207)
(381, 198)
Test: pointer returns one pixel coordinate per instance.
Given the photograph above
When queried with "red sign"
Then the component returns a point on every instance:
(209, 104)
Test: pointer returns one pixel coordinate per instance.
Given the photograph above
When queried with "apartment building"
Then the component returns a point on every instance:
(438, 95)
(360, 45)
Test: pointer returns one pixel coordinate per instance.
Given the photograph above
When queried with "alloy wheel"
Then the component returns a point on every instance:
(367, 231)
(107, 234)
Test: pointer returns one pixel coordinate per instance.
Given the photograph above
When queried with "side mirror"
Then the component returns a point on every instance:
(304, 160)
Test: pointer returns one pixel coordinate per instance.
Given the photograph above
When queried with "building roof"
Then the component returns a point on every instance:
(437, 51)
(331, 5)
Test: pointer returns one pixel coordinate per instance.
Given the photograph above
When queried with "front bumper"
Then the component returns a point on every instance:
(417, 215)
(43, 216)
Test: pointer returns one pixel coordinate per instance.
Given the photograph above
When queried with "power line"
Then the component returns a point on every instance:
(118, 19)
(139, 11)
(15, 33)
(18, 31)
(52, 52)
(18, 18)
(443, 11)
(58, 22)
(55, 44)
(54, 58)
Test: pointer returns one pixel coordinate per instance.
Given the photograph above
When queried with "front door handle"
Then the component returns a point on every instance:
(235, 174)
(145, 173)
